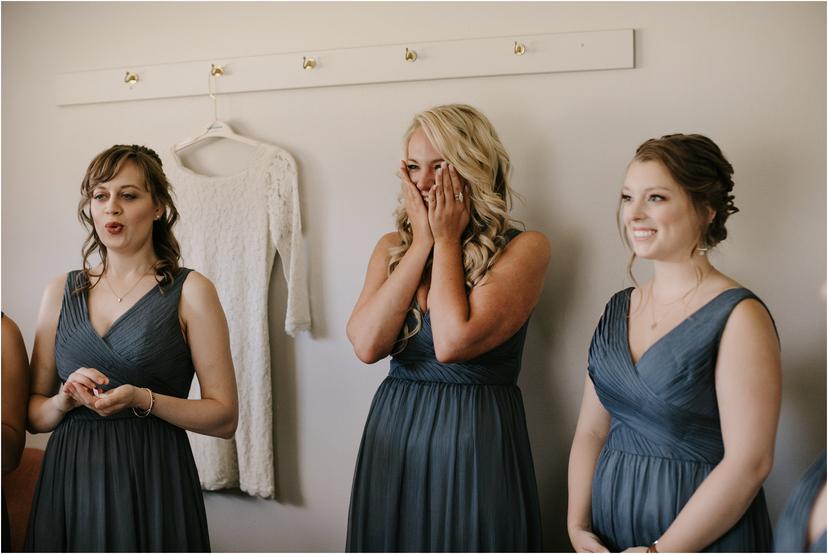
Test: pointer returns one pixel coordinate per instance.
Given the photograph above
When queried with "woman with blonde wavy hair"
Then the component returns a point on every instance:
(445, 462)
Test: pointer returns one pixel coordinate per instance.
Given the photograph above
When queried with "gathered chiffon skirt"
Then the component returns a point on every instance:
(444, 467)
(636, 497)
(117, 484)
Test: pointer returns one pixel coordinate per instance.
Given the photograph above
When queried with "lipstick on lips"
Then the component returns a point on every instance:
(113, 227)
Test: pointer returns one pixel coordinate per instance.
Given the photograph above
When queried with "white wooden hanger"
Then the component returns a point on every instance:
(218, 129)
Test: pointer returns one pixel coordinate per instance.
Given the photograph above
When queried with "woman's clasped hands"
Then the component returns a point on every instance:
(84, 387)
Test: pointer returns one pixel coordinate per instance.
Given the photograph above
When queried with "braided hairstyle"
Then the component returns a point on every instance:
(104, 167)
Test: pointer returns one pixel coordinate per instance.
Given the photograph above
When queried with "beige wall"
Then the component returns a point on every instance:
(752, 76)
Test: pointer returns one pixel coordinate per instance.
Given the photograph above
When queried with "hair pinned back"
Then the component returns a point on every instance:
(700, 168)
(697, 164)
(104, 167)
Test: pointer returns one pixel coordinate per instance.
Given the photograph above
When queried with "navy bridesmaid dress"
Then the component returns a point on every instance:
(665, 436)
(121, 483)
(792, 527)
(445, 463)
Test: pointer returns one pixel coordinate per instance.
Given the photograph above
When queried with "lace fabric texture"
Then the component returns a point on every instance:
(231, 229)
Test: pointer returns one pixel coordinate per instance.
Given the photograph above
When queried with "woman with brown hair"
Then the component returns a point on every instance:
(678, 420)
(115, 351)
(445, 462)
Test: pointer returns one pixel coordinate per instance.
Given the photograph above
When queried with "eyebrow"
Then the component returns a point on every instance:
(128, 185)
(649, 189)
(418, 161)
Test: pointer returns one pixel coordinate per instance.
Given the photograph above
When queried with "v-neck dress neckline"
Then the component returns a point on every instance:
(144, 298)
(626, 324)
(665, 435)
(121, 465)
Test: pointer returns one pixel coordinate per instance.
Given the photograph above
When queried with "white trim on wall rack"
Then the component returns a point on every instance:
(515, 55)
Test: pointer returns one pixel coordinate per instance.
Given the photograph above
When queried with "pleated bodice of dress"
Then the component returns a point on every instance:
(665, 435)
(144, 346)
(121, 483)
(418, 361)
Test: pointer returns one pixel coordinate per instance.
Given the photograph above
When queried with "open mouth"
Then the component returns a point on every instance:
(114, 228)
(643, 234)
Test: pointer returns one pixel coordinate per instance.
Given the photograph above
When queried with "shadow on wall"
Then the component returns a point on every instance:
(541, 389)
(540, 384)
(285, 395)
(803, 398)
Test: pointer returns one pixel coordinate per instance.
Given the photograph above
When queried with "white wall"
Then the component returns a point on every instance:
(751, 76)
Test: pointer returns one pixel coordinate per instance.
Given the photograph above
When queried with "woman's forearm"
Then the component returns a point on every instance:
(44, 413)
(449, 303)
(204, 416)
(583, 458)
(13, 443)
(374, 327)
(716, 506)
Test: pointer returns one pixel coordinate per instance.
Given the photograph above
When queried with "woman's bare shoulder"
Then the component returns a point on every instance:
(532, 245)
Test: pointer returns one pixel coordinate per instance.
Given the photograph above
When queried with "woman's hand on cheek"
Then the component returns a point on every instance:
(415, 207)
(449, 206)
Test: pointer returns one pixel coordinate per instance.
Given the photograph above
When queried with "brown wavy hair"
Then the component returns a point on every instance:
(700, 168)
(104, 167)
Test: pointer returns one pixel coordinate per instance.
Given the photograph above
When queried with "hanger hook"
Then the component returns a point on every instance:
(308, 63)
(410, 55)
(519, 48)
(130, 78)
(215, 70)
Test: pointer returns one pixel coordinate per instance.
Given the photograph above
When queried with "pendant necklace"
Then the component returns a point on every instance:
(119, 298)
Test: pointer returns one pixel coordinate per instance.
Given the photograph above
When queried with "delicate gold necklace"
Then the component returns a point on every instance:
(132, 288)
(655, 321)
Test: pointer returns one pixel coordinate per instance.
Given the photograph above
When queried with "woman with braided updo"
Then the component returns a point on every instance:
(681, 402)
(445, 462)
(116, 347)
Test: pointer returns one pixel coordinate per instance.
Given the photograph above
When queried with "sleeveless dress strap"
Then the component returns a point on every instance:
(732, 297)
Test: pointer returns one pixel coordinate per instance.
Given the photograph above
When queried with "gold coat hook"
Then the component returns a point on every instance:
(410, 55)
(216, 70)
(130, 78)
(308, 63)
(519, 48)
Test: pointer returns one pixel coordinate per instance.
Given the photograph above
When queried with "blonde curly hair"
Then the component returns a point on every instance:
(466, 139)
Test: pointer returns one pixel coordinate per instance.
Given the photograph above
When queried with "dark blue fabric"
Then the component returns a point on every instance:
(121, 483)
(445, 462)
(791, 533)
(665, 436)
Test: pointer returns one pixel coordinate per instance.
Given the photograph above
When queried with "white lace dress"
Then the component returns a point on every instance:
(231, 228)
